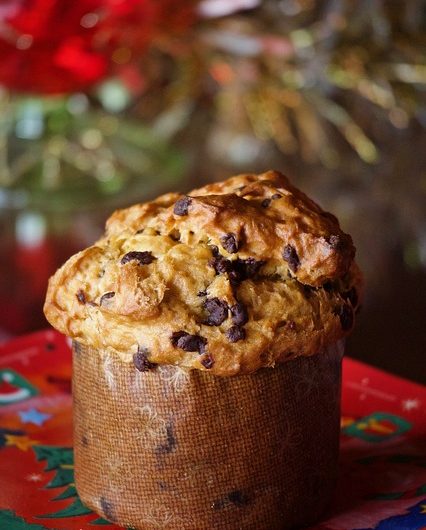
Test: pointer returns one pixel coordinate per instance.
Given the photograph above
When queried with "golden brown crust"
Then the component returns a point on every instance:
(237, 275)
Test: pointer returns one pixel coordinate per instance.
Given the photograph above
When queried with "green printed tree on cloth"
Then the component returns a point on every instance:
(10, 521)
(61, 459)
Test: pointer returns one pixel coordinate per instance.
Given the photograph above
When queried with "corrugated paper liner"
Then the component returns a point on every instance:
(188, 450)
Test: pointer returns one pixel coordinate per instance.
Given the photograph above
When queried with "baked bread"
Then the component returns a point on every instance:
(234, 276)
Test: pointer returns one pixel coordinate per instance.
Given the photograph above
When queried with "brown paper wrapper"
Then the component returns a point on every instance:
(188, 450)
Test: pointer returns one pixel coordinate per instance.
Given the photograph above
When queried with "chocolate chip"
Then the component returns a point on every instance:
(336, 242)
(229, 243)
(107, 509)
(187, 342)
(220, 264)
(238, 270)
(247, 268)
(276, 196)
(81, 296)
(181, 206)
(106, 296)
(238, 498)
(351, 295)
(239, 314)
(140, 360)
(346, 316)
(202, 293)
(235, 333)
(215, 250)
(84, 441)
(207, 361)
(144, 258)
(291, 257)
(176, 335)
(218, 311)
(234, 278)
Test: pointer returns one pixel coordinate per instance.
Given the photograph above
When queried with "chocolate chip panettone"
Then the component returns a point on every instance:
(208, 335)
(230, 278)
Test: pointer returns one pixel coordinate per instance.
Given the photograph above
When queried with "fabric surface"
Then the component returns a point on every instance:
(382, 474)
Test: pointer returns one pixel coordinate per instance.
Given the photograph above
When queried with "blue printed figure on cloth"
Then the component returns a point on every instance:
(414, 519)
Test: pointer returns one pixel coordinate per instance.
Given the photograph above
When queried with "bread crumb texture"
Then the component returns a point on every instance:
(235, 276)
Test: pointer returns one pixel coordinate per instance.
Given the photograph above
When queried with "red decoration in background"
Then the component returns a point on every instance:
(53, 46)
(24, 272)
(46, 48)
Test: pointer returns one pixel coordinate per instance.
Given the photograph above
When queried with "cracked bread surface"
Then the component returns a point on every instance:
(234, 276)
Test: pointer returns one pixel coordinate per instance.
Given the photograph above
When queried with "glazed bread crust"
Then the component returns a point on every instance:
(230, 278)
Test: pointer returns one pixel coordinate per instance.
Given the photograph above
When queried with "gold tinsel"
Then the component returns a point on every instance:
(298, 69)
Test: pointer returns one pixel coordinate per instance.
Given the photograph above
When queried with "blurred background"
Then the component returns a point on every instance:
(104, 103)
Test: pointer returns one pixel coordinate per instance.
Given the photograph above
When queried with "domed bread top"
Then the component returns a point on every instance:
(232, 277)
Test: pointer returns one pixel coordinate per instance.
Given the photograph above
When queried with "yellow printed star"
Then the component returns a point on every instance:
(422, 508)
(375, 426)
(21, 442)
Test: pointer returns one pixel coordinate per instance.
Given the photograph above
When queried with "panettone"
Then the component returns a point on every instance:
(231, 280)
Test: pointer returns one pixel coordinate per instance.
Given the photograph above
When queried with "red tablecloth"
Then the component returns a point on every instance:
(383, 445)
